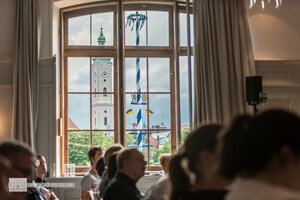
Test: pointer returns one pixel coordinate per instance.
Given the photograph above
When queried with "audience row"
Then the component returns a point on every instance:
(253, 158)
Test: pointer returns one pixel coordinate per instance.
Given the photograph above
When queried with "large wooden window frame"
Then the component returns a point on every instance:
(173, 51)
(89, 52)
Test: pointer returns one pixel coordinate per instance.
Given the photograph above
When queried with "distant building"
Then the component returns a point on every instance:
(102, 81)
(72, 125)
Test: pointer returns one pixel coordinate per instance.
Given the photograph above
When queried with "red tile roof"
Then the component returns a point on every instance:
(72, 125)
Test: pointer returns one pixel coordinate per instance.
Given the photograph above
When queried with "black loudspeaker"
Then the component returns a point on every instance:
(254, 89)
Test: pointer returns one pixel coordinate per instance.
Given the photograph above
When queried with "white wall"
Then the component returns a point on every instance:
(276, 32)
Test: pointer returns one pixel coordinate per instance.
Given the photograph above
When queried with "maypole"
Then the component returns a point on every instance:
(138, 20)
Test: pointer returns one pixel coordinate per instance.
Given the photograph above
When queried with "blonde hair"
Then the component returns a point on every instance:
(164, 159)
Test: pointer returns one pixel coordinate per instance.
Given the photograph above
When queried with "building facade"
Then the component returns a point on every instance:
(102, 81)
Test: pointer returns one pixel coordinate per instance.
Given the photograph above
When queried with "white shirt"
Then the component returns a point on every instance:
(252, 189)
(160, 190)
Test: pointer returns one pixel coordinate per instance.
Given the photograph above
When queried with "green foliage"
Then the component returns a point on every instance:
(100, 139)
(79, 145)
(184, 133)
(165, 149)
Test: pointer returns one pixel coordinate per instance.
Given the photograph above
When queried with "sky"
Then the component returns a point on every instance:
(159, 81)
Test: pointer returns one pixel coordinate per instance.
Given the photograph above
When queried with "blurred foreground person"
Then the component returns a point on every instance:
(5, 166)
(194, 170)
(131, 167)
(161, 189)
(22, 166)
(264, 152)
(112, 149)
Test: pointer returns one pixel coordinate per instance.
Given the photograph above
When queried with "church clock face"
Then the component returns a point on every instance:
(104, 73)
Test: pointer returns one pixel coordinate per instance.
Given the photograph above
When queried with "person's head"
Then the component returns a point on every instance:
(111, 150)
(131, 162)
(20, 155)
(21, 162)
(195, 161)
(42, 166)
(95, 153)
(164, 162)
(112, 166)
(100, 167)
(268, 142)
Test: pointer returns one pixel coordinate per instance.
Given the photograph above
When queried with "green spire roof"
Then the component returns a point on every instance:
(101, 38)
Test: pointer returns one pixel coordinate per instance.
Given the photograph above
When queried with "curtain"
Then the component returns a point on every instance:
(26, 72)
(223, 57)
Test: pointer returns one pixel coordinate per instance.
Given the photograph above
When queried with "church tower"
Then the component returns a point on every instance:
(102, 81)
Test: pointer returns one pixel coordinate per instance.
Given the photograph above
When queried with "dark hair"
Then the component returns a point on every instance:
(39, 156)
(203, 138)
(100, 167)
(250, 142)
(93, 150)
(112, 166)
(111, 150)
(11, 148)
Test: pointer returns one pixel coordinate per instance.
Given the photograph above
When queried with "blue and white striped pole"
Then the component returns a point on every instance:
(138, 87)
(139, 19)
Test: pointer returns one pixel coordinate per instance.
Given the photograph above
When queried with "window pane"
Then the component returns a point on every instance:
(131, 74)
(158, 30)
(131, 34)
(103, 138)
(159, 111)
(79, 145)
(104, 21)
(184, 95)
(136, 139)
(102, 111)
(132, 112)
(160, 142)
(79, 30)
(157, 25)
(78, 74)
(183, 29)
(159, 75)
(79, 111)
(102, 74)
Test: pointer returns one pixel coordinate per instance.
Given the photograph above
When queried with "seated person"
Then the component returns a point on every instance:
(112, 166)
(91, 178)
(104, 181)
(161, 189)
(100, 167)
(41, 170)
(193, 170)
(262, 154)
(131, 167)
(22, 165)
(5, 166)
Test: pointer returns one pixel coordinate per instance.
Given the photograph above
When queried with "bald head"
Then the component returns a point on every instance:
(131, 162)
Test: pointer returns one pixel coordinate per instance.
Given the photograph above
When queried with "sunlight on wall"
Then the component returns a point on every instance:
(2, 135)
(4, 124)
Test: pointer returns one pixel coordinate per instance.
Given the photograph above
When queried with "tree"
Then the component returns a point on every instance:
(165, 149)
(184, 133)
(79, 145)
